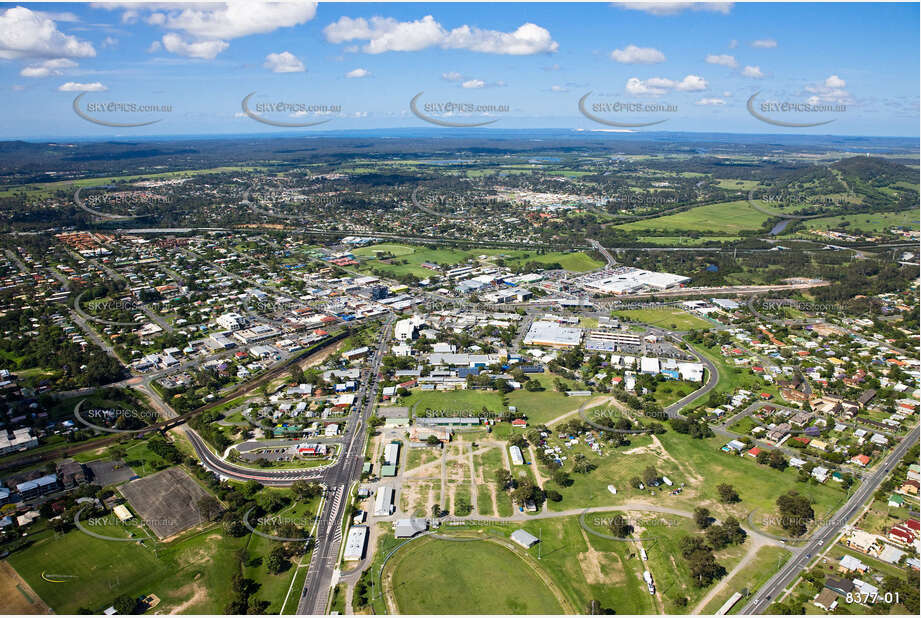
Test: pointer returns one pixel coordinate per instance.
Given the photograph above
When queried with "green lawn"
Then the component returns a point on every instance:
(469, 402)
(574, 262)
(665, 317)
(106, 569)
(414, 256)
(192, 573)
(729, 218)
(470, 578)
(588, 567)
(765, 563)
(868, 222)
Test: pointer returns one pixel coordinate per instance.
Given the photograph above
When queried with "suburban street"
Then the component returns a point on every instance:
(803, 556)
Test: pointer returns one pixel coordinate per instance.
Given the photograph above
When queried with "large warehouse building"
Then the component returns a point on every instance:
(553, 335)
(626, 280)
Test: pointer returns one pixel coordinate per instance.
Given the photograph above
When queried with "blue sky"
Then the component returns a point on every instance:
(697, 65)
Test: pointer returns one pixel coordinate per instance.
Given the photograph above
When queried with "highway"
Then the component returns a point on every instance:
(338, 479)
(803, 556)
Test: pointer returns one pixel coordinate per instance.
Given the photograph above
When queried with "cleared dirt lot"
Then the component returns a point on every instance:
(167, 501)
(16, 596)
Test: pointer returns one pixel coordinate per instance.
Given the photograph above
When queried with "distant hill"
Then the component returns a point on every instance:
(875, 171)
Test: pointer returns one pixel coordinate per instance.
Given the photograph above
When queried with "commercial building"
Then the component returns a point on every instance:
(355, 543)
(392, 453)
(383, 502)
(525, 539)
(232, 321)
(551, 334)
(627, 280)
(408, 528)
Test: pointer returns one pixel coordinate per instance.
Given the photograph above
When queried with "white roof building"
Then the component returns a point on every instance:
(355, 543)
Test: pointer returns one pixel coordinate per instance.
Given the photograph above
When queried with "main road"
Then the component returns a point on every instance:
(802, 557)
(338, 478)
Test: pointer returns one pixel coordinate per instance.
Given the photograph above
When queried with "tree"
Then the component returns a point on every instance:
(582, 464)
(277, 561)
(436, 511)
(727, 493)
(650, 476)
(533, 386)
(305, 491)
(208, 508)
(777, 460)
(561, 478)
(433, 440)
(503, 478)
(795, 512)
(702, 517)
(635, 482)
(124, 604)
(620, 527)
(595, 608)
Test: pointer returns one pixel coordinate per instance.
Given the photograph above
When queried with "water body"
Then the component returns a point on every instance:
(780, 227)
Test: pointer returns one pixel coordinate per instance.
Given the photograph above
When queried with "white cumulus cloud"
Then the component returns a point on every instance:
(673, 8)
(723, 60)
(711, 101)
(205, 50)
(386, 34)
(31, 34)
(832, 90)
(473, 83)
(48, 68)
(632, 54)
(285, 62)
(752, 71)
(765, 43)
(452, 76)
(203, 30)
(358, 73)
(77, 87)
(656, 86)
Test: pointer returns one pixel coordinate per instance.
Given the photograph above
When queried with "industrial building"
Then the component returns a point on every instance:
(383, 502)
(553, 335)
(355, 543)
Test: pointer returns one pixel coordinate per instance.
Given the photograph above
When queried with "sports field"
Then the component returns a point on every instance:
(414, 256)
(726, 218)
(665, 317)
(467, 577)
(463, 402)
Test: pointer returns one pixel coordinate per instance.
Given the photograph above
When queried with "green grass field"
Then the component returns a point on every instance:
(765, 563)
(729, 218)
(416, 255)
(732, 183)
(666, 317)
(190, 575)
(868, 222)
(574, 262)
(470, 578)
(470, 402)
